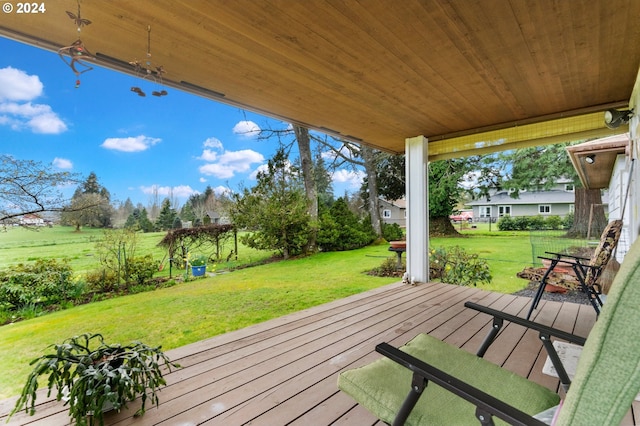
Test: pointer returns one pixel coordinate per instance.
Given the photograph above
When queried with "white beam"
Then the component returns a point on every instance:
(417, 188)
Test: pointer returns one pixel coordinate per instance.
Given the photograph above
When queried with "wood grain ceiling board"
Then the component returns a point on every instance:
(376, 71)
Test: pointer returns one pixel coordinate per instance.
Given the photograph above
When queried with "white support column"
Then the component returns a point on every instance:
(632, 214)
(416, 152)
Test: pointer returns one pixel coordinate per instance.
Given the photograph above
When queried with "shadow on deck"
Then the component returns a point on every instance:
(284, 371)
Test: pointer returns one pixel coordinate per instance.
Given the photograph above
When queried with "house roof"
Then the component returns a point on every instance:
(527, 197)
(603, 151)
(400, 203)
(473, 76)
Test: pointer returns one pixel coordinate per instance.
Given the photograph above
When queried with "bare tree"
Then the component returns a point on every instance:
(29, 187)
(308, 176)
(349, 153)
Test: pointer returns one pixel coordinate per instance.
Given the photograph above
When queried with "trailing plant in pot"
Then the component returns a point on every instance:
(93, 377)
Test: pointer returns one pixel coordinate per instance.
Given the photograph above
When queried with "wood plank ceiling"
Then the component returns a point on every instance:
(471, 75)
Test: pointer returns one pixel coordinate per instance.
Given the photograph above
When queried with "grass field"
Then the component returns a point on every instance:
(19, 245)
(199, 309)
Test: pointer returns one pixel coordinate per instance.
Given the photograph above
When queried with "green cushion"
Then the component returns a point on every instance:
(382, 386)
(608, 374)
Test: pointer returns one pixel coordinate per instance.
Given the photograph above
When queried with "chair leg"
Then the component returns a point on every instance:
(418, 384)
(589, 291)
(536, 298)
(540, 292)
(594, 299)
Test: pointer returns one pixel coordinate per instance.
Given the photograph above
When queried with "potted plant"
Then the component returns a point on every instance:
(198, 265)
(93, 377)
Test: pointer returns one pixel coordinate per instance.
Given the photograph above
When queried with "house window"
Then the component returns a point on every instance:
(569, 187)
(386, 213)
(504, 211)
(572, 208)
(544, 208)
(485, 211)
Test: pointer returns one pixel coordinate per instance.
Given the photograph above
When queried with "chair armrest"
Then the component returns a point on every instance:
(543, 329)
(486, 405)
(572, 256)
(545, 334)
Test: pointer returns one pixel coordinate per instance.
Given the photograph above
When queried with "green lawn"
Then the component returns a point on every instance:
(199, 309)
(18, 245)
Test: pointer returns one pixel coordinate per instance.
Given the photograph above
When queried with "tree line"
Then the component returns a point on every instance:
(290, 206)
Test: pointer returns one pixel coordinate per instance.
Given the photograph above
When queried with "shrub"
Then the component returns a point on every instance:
(44, 282)
(455, 266)
(389, 268)
(142, 269)
(506, 223)
(553, 222)
(521, 223)
(392, 232)
(567, 221)
(340, 229)
(536, 223)
(102, 280)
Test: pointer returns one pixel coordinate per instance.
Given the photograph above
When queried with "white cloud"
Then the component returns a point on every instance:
(220, 171)
(212, 143)
(180, 191)
(17, 85)
(209, 155)
(62, 163)
(222, 190)
(246, 129)
(130, 144)
(38, 118)
(262, 168)
(17, 90)
(202, 180)
(352, 178)
(48, 123)
(229, 163)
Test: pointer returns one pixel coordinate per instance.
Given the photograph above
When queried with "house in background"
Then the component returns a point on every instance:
(216, 218)
(31, 220)
(558, 201)
(394, 211)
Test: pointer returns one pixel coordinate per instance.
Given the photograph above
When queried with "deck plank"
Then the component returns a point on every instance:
(284, 371)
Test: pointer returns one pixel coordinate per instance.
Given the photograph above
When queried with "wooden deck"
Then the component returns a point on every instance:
(284, 371)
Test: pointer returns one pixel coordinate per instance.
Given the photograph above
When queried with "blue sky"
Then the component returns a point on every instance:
(178, 144)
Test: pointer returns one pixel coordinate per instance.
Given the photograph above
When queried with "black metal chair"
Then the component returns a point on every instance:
(463, 387)
(587, 271)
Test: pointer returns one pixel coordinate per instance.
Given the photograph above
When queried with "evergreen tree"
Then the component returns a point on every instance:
(341, 229)
(187, 213)
(139, 220)
(143, 221)
(133, 220)
(323, 182)
(275, 210)
(90, 205)
(177, 223)
(166, 216)
(91, 185)
(539, 168)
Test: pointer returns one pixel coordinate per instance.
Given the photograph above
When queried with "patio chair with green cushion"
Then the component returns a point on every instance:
(463, 387)
(586, 271)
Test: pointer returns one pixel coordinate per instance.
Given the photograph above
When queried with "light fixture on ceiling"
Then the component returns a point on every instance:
(590, 159)
(614, 118)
